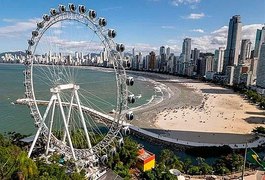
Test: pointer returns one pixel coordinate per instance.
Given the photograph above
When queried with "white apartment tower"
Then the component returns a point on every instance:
(245, 51)
(219, 59)
(261, 68)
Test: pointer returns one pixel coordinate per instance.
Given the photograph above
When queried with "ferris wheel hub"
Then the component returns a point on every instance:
(64, 87)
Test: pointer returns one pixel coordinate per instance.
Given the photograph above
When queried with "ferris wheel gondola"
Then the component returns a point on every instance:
(60, 81)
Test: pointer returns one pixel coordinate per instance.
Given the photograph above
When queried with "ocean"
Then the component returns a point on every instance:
(98, 87)
(14, 117)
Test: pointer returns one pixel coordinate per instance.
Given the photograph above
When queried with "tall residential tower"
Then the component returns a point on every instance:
(233, 41)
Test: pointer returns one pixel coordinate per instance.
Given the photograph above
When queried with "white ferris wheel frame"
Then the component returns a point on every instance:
(105, 146)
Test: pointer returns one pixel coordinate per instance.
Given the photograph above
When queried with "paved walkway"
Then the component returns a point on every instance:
(155, 136)
(255, 143)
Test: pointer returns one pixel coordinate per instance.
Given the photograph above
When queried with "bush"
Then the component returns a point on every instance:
(259, 129)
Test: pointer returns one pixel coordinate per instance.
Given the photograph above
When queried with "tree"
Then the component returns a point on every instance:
(149, 175)
(27, 166)
(129, 152)
(194, 170)
(187, 164)
(259, 129)
(53, 171)
(122, 170)
(8, 160)
(206, 168)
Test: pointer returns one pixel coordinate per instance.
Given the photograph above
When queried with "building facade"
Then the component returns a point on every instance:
(233, 42)
(245, 51)
(261, 68)
(260, 38)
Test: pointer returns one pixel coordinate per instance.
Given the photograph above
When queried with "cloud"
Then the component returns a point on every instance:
(69, 46)
(168, 27)
(195, 16)
(184, 2)
(9, 20)
(218, 38)
(249, 31)
(145, 48)
(176, 49)
(198, 30)
(17, 28)
(57, 31)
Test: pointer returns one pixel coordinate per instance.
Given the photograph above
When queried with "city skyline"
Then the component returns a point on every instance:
(157, 23)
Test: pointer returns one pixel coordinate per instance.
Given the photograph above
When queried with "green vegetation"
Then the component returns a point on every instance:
(124, 159)
(79, 138)
(224, 165)
(252, 95)
(260, 130)
(14, 163)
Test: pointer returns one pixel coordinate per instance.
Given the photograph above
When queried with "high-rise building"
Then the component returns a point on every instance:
(233, 42)
(219, 60)
(260, 38)
(163, 59)
(152, 61)
(162, 50)
(245, 51)
(133, 52)
(261, 68)
(195, 54)
(186, 49)
(185, 57)
(208, 63)
(168, 52)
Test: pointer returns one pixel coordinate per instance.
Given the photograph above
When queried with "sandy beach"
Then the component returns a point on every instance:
(221, 111)
(196, 111)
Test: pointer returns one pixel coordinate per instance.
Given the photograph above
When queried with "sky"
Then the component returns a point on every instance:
(142, 24)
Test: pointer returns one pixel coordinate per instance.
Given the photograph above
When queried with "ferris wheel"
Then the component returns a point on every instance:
(71, 112)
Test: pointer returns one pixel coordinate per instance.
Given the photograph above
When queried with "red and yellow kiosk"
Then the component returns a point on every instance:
(145, 160)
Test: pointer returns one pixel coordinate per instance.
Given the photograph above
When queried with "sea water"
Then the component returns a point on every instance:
(96, 86)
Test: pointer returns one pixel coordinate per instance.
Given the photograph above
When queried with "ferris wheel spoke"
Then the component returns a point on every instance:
(93, 104)
(43, 73)
(97, 98)
(74, 123)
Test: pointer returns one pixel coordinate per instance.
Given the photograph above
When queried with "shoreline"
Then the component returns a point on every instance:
(196, 116)
(186, 96)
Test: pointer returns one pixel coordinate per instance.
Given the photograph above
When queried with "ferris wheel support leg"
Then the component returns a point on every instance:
(41, 125)
(50, 130)
(68, 115)
(66, 127)
(83, 120)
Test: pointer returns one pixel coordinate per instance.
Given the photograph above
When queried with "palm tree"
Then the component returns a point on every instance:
(26, 165)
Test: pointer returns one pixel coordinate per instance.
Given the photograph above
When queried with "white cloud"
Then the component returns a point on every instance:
(184, 2)
(168, 27)
(218, 38)
(145, 48)
(142, 47)
(9, 20)
(249, 31)
(17, 28)
(195, 16)
(174, 48)
(198, 30)
(57, 31)
(65, 45)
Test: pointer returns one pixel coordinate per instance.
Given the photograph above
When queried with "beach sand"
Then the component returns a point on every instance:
(195, 111)
(221, 111)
